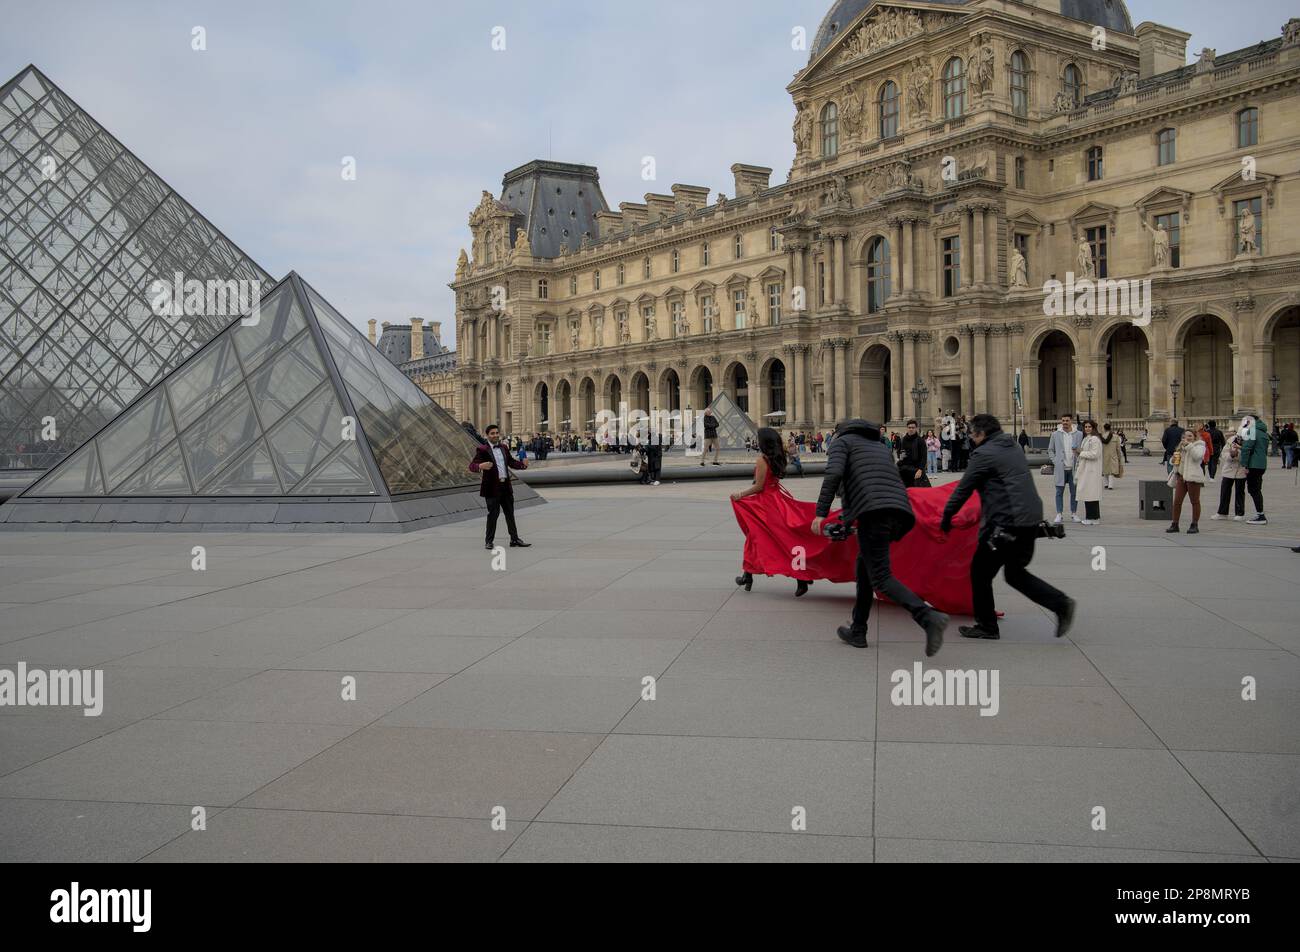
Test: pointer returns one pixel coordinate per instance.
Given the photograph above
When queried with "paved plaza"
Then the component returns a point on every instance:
(517, 696)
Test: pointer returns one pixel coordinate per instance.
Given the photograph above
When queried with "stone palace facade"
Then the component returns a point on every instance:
(952, 161)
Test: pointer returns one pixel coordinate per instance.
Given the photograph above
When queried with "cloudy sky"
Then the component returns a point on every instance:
(253, 130)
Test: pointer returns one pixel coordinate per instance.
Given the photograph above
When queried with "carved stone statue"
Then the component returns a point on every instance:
(839, 191)
(755, 315)
(1086, 267)
(1062, 102)
(1019, 269)
(1124, 82)
(886, 27)
(981, 65)
(523, 247)
(1159, 244)
(1205, 61)
(853, 107)
(1246, 240)
(624, 336)
(803, 129)
(598, 330)
(919, 83)
(462, 265)
(651, 328)
(574, 334)
(1291, 32)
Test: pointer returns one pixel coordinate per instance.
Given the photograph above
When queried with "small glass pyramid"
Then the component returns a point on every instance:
(734, 424)
(290, 400)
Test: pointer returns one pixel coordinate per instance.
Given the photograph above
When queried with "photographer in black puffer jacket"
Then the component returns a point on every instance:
(1011, 518)
(861, 469)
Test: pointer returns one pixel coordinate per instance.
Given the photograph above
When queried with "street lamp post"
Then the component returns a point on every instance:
(919, 393)
(1089, 390)
(1173, 388)
(1273, 384)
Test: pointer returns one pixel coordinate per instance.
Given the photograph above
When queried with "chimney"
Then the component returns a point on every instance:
(371, 334)
(690, 198)
(634, 213)
(660, 206)
(1160, 49)
(417, 338)
(750, 179)
(437, 331)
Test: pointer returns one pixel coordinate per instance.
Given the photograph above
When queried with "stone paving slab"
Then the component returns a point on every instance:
(525, 688)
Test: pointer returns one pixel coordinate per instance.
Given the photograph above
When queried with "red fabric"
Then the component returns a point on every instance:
(778, 541)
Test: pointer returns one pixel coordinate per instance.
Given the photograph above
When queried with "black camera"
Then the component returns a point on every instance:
(1048, 530)
(1044, 530)
(837, 531)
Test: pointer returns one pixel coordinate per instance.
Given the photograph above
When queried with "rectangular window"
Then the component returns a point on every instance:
(1020, 172)
(544, 339)
(573, 284)
(679, 319)
(738, 303)
(821, 282)
(1094, 164)
(706, 312)
(1022, 245)
(951, 265)
(1168, 139)
(1170, 224)
(774, 294)
(647, 315)
(1097, 239)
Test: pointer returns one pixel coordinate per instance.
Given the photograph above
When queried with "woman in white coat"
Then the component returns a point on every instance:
(1089, 474)
(1187, 478)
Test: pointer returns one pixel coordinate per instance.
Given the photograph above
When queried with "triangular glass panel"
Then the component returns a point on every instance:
(342, 475)
(77, 476)
(164, 475)
(224, 432)
(308, 435)
(282, 382)
(253, 474)
(136, 436)
(275, 322)
(203, 381)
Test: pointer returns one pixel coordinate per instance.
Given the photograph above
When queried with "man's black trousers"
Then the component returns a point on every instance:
(875, 575)
(1015, 556)
(503, 502)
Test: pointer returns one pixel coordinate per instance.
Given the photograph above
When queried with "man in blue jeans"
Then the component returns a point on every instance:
(1063, 448)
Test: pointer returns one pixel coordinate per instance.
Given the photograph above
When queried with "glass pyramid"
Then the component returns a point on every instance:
(734, 424)
(85, 230)
(289, 401)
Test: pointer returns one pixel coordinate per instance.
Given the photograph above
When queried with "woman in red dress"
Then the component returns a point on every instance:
(779, 540)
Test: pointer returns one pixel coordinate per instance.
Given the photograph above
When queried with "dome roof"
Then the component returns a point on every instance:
(1112, 14)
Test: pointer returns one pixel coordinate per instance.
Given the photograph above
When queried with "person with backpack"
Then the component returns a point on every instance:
(1254, 457)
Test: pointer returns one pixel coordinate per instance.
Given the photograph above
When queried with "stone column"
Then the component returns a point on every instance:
(1158, 397)
(909, 263)
(800, 249)
(790, 355)
(828, 378)
(897, 373)
(977, 245)
(841, 271)
(1029, 387)
(909, 362)
(981, 368)
(967, 251)
(991, 247)
(895, 258)
(848, 376)
(967, 371)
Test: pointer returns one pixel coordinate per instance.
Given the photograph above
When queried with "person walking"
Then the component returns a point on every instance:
(1089, 476)
(710, 437)
(493, 462)
(862, 470)
(1216, 447)
(1232, 481)
(1010, 513)
(1171, 439)
(1024, 440)
(1123, 447)
(769, 513)
(1112, 461)
(1187, 479)
(654, 455)
(1254, 456)
(1288, 439)
(1063, 450)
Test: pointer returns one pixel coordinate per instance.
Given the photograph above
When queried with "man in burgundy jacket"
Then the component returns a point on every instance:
(493, 462)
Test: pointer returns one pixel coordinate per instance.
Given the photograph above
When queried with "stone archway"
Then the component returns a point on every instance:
(1127, 391)
(542, 396)
(563, 407)
(670, 391)
(1207, 384)
(586, 404)
(640, 392)
(1055, 376)
(735, 380)
(701, 388)
(1285, 339)
(875, 393)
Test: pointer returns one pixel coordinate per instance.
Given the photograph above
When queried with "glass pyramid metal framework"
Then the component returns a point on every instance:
(734, 424)
(85, 228)
(287, 417)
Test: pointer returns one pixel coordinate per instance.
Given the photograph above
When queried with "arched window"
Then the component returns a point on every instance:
(1019, 84)
(830, 130)
(954, 89)
(704, 254)
(541, 289)
(877, 274)
(888, 107)
(1247, 128)
(1072, 84)
(739, 246)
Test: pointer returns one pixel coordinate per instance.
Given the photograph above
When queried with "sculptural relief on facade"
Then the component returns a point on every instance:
(920, 81)
(853, 110)
(886, 27)
(981, 66)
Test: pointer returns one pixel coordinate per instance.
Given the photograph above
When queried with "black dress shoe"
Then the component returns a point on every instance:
(801, 589)
(935, 623)
(520, 544)
(978, 631)
(851, 636)
(746, 581)
(1065, 619)
(489, 546)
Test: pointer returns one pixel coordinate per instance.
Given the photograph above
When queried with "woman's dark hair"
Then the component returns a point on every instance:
(773, 450)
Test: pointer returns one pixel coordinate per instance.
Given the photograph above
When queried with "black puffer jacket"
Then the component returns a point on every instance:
(999, 473)
(862, 471)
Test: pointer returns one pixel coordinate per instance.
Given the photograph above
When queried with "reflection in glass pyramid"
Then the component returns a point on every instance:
(289, 403)
(85, 231)
(734, 424)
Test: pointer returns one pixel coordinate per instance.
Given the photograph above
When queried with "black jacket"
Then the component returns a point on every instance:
(862, 471)
(913, 447)
(999, 473)
(1171, 438)
(1216, 440)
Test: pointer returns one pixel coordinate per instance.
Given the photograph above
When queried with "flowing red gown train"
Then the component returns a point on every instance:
(937, 568)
